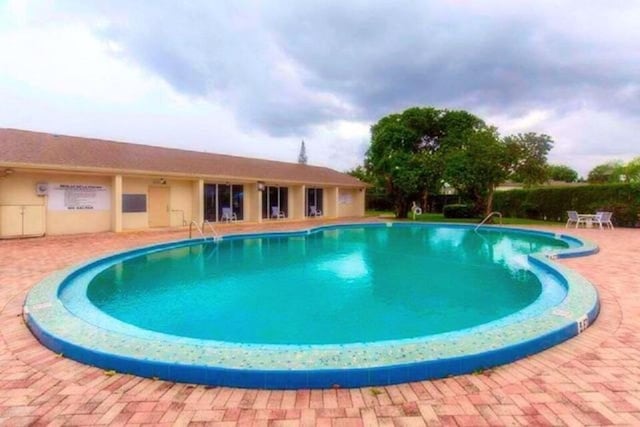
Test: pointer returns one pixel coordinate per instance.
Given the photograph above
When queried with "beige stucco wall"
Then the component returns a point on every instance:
(252, 203)
(330, 202)
(181, 201)
(132, 185)
(19, 189)
(22, 212)
(197, 201)
(296, 202)
(350, 202)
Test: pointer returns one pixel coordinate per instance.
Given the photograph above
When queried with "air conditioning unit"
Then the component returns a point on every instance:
(42, 188)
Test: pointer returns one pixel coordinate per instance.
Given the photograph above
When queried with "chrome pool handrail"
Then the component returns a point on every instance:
(214, 234)
(486, 218)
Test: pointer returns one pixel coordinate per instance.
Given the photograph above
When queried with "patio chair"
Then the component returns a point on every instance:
(277, 213)
(603, 218)
(313, 211)
(228, 215)
(574, 217)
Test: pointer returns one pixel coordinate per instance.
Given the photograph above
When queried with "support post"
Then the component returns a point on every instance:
(116, 203)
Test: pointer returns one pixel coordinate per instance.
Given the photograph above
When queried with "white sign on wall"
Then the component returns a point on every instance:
(79, 197)
(345, 199)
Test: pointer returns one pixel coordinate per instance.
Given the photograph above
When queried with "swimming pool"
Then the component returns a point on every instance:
(341, 305)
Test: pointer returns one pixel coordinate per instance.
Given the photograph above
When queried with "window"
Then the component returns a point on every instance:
(134, 203)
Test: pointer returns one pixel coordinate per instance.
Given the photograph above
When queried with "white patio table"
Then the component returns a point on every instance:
(587, 219)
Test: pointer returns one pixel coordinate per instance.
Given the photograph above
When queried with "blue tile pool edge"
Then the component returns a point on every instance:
(351, 376)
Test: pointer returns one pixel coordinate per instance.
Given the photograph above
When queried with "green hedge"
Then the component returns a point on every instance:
(553, 203)
(458, 211)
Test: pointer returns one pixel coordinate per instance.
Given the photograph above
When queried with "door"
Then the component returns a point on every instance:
(33, 220)
(158, 206)
(21, 220)
(11, 221)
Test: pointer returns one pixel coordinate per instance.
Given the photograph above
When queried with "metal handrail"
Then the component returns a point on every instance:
(486, 218)
(214, 234)
(191, 224)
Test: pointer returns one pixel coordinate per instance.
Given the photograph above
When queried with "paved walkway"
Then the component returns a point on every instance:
(593, 379)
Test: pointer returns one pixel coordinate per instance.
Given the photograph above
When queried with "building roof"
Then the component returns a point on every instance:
(29, 149)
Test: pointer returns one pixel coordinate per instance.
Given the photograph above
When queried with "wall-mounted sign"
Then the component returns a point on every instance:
(345, 199)
(79, 197)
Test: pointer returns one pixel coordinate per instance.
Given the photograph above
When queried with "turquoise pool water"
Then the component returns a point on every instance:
(337, 286)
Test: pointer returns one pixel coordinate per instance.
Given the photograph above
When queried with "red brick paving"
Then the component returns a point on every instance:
(593, 379)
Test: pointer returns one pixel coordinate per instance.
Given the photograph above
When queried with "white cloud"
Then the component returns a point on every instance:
(583, 137)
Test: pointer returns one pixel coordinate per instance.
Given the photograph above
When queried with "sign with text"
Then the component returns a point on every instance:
(345, 199)
(79, 197)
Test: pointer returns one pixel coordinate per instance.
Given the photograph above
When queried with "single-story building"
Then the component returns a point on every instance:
(56, 184)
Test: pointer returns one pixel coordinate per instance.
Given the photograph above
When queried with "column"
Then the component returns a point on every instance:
(116, 203)
(198, 201)
(258, 206)
(331, 202)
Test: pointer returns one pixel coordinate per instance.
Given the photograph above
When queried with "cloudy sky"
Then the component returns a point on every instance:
(254, 78)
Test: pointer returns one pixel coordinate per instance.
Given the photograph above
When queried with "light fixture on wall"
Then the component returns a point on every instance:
(163, 181)
(260, 185)
(7, 172)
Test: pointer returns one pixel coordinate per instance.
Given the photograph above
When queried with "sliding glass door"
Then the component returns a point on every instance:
(275, 202)
(313, 202)
(223, 202)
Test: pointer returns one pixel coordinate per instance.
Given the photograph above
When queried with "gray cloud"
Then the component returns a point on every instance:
(269, 63)
(284, 67)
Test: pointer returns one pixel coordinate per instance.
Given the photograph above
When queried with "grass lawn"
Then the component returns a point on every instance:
(434, 217)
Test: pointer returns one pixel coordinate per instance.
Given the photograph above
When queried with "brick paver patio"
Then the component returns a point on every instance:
(593, 379)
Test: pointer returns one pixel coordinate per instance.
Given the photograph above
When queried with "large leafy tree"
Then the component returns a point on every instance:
(562, 173)
(609, 172)
(412, 154)
(529, 155)
(478, 166)
(408, 151)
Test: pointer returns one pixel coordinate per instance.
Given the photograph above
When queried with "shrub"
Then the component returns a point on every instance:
(553, 203)
(458, 211)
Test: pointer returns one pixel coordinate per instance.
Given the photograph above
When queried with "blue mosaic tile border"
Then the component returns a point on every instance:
(162, 356)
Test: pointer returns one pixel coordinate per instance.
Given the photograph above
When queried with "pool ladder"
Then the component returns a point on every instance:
(486, 218)
(214, 234)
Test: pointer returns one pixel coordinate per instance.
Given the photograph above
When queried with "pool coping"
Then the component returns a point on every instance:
(316, 366)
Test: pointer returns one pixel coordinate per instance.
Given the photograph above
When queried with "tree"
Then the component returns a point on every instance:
(632, 170)
(529, 153)
(302, 157)
(360, 172)
(412, 154)
(479, 166)
(408, 151)
(609, 172)
(562, 173)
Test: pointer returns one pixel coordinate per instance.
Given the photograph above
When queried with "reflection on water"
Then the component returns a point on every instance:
(346, 266)
(337, 286)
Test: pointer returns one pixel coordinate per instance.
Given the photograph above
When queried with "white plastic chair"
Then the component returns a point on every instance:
(603, 218)
(277, 213)
(313, 211)
(228, 215)
(574, 217)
